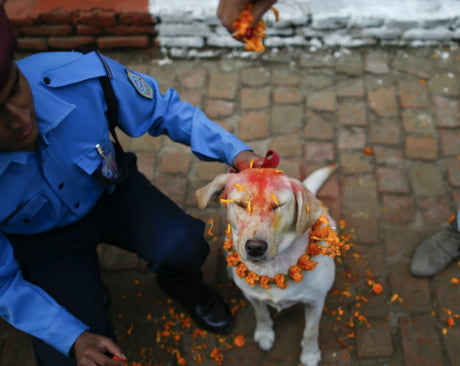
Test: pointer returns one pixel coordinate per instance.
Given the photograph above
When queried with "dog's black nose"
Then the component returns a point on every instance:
(256, 248)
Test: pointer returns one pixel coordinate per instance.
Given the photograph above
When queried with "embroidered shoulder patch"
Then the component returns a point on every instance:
(140, 84)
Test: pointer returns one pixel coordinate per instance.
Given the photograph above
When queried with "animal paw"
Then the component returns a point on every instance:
(311, 359)
(265, 339)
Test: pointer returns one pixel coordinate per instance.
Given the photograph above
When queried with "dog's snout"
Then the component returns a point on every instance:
(256, 248)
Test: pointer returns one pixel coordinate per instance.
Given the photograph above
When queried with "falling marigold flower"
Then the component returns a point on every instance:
(451, 218)
(454, 281)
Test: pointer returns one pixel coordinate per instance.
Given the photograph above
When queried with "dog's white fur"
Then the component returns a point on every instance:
(284, 224)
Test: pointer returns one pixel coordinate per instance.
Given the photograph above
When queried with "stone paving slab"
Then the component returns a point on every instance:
(389, 118)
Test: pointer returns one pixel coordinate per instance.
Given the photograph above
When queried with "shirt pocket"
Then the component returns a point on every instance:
(89, 161)
(25, 211)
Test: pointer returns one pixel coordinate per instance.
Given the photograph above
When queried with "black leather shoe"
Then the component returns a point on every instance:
(211, 313)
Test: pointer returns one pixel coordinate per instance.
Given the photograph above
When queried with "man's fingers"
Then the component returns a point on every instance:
(260, 7)
(229, 10)
(114, 350)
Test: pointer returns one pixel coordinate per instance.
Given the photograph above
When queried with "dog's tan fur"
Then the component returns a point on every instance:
(276, 213)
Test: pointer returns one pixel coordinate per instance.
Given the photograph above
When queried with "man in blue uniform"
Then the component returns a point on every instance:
(61, 195)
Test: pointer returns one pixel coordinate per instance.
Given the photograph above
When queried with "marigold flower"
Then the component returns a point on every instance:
(224, 201)
(239, 340)
(280, 280)
(377, 288)
(330, 245)
(450, 322)
(295, 272)
(228, 245)
(265, 282)
(217, 355)
(368, 151)
(275, 199)
(454, 281)
(314, 249)
(241, 270)
(306, 263)
(249, 34)
(233, 259)
(252, 278)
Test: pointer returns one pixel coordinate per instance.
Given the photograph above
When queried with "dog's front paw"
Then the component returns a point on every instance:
(310, 359)
(265, 338)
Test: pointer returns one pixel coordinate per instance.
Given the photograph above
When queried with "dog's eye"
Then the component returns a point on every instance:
(276, 206)
(242, 204)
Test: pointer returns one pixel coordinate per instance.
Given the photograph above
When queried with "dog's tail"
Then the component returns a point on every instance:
(317, 178)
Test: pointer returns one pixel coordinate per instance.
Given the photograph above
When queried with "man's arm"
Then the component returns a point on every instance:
(28, 308)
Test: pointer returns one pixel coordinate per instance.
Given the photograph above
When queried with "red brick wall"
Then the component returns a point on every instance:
(65, 24)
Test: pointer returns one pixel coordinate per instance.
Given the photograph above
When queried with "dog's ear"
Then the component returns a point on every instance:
(308, 207)
(211, 191)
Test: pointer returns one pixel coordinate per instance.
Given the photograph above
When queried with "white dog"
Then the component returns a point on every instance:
(270, 217)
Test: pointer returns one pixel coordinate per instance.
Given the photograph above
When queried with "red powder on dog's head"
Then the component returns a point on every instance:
(260, 185)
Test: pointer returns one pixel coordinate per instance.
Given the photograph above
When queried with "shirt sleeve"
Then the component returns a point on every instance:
(30, 309)
(143, 108)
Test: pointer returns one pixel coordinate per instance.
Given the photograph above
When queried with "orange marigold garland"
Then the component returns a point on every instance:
(246, 32)
(323, 241)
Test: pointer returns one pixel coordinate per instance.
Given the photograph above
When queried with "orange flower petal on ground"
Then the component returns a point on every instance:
(368, 151)
(239, 340)
(216, 355)
(450, 322)
(377, 288)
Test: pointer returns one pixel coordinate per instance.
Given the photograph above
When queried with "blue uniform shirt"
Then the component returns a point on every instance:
(53, 186)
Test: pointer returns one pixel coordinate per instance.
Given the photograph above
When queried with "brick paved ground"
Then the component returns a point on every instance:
(313, 109)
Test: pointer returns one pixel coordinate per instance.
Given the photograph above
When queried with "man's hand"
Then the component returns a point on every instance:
(91, 349)
(229, 10)
(246, 159)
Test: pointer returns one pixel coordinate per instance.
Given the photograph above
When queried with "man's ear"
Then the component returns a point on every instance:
(211, 191)
(307, 205)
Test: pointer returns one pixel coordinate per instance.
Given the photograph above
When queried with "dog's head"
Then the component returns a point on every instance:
(266, 209)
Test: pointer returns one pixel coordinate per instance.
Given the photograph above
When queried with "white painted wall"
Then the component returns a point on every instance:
(387, 9)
